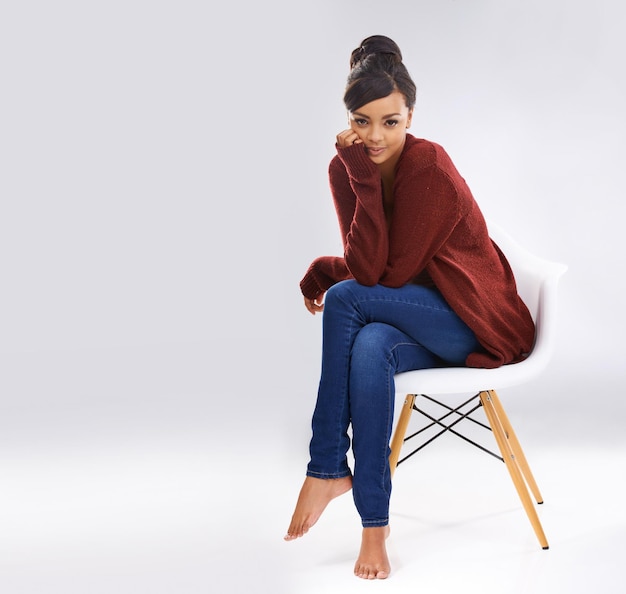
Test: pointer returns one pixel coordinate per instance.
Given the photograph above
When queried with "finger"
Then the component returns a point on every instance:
(310, 305)
(347, 138)
(341, 138)
(353, 139)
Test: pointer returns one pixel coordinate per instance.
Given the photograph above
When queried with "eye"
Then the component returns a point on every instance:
(391, 123)
(360, 121)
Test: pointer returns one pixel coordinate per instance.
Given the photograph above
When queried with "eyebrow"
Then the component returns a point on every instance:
(390, 115)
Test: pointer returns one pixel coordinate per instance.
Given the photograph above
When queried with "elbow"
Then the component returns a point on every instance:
(365, 275)
(366, 267)
(366, 280)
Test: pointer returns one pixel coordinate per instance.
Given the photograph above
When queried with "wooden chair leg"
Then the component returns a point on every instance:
(516, 447)
(512, 466)
(400, 432)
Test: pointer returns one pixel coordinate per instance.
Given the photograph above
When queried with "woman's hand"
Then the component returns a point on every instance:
(315, 305)
(348, 138)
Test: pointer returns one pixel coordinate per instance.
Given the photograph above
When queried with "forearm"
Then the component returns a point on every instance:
(322, 274)
(357, 192)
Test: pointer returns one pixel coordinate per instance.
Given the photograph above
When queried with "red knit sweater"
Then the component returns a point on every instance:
(436, 234)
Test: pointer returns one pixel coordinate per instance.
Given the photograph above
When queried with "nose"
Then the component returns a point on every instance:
(375, 133)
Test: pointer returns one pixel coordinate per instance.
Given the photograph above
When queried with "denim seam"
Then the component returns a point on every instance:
(328, 475)
(375, 523)
(404, 302)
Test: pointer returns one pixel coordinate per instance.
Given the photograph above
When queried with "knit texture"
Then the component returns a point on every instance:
(436, 234)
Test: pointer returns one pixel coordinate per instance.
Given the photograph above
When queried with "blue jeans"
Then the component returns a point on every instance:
(370, 334)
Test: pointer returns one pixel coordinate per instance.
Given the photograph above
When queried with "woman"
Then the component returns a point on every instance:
(420, 285)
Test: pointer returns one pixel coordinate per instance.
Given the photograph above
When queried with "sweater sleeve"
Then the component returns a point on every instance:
(356, 187)
(426, 212)
(322, 274)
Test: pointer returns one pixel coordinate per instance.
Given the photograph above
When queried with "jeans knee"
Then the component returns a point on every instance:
(371, 345)
(339, 294)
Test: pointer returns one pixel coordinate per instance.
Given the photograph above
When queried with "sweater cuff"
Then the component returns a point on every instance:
(358, 165)
(309, 286)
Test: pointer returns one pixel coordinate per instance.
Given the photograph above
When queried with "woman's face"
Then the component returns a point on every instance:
(382, 125)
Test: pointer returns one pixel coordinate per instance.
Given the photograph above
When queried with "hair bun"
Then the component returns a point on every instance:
(376, 44)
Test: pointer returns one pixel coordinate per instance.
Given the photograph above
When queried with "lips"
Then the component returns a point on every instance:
(375, 150)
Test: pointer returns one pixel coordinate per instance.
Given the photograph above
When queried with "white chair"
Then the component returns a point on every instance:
(537, 280)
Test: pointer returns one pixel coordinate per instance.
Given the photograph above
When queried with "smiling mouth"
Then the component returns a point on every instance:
(375, 150)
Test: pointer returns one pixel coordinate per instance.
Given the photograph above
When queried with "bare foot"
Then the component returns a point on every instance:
(373, 562)
(314, 496)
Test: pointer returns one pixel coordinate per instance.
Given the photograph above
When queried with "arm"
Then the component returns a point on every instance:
(356, 187)
(362, 225)
(427, 209)
(322, 274)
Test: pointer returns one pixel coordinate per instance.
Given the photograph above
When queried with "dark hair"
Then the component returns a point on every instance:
(376, 71)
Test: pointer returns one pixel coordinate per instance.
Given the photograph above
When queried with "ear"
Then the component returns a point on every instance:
(409, 118)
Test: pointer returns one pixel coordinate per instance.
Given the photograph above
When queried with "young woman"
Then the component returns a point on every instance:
(420, 285)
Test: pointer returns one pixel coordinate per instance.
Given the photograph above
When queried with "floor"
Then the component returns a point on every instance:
(134, 495)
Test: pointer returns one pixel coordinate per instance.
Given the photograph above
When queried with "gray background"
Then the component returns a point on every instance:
(163, 189)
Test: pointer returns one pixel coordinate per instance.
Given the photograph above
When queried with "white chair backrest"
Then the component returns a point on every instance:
(531, 272)
(537, 281)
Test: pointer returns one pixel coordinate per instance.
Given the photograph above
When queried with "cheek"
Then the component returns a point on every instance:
(400, 134)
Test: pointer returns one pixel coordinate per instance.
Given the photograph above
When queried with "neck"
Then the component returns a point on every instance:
(388, 170)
